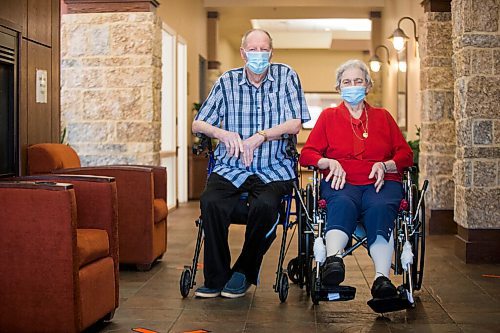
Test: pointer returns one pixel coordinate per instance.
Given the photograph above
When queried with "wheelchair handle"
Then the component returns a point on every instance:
(424, 186)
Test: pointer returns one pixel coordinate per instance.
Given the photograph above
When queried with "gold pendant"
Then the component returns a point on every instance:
(365, 135)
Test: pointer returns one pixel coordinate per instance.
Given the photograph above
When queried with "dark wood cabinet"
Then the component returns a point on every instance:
(38, 24)
(13, 15)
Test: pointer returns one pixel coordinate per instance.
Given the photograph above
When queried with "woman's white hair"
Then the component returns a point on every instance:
(353, 63)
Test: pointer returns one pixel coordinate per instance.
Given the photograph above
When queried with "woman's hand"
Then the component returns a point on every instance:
(378, 171)
(336, 174)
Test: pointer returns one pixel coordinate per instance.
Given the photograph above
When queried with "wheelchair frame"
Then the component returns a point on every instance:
(281, 285)
(409, 226)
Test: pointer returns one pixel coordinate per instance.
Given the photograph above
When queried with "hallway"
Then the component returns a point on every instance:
(455, 297)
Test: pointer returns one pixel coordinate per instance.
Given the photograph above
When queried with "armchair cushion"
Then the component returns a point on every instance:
(160, 210)
(44, 157)
(92, 244)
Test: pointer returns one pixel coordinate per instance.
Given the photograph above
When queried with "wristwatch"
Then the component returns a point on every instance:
(263, 134)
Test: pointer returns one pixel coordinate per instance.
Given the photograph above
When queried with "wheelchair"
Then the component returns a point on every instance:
(239, 216)
(409, 241)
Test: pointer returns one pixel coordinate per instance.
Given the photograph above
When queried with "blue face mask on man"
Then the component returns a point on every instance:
(257, 62)
(353, 94)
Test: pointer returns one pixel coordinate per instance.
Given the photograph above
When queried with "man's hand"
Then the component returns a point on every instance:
(249, 146)
(336, 174)
(379, 174)
(232, 141)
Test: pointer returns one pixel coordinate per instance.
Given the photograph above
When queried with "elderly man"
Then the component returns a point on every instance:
(249, 110)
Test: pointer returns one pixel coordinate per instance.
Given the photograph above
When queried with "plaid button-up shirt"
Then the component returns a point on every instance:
(235, 105)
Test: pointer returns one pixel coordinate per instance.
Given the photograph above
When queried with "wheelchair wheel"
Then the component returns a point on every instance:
(418, 247)
(308, 238)
(293, 270)
(314, 288)
(283, 287)
(185, 282)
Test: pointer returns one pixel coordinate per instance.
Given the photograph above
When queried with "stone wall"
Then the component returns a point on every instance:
(438, 140)
(476, 45)
(110, 86)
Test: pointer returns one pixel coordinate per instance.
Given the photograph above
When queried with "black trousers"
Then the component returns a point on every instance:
(217, 203)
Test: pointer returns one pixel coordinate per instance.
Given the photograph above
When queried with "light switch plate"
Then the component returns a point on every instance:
(41, 86)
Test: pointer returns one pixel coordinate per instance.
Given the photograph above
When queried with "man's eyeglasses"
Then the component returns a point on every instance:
(349, 82)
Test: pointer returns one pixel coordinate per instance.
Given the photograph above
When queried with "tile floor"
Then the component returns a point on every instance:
(454, 298)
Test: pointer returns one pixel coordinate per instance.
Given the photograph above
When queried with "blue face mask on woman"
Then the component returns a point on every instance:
(257, 62)
(353, 95)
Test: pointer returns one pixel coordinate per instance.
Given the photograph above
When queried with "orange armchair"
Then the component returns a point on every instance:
(142, 197)
(59, 243)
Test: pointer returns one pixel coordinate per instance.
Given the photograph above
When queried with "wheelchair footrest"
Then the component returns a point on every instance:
(396, 303)
(336, 293)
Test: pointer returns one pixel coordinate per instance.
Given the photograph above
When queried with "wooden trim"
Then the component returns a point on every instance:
(107, 6)
(168, 153)
(53, 186)
(213, 64)
(478, 246)
(436, 6)
(441, 222)
(213, 15)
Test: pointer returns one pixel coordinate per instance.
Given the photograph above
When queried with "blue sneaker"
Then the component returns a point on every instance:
(206, 292)
(236, 287)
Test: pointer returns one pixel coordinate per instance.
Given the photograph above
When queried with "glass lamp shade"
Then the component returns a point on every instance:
(402, 66)
(398, 39)
(375, 65)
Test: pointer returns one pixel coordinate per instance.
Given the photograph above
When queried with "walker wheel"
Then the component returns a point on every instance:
(283, 287)
(185, 282)
(293, 270)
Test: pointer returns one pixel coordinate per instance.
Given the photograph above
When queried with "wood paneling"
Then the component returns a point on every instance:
(13, 15)
(56, 80)
(40, 21)
(39, 114)
(105, 6)
(23, 104)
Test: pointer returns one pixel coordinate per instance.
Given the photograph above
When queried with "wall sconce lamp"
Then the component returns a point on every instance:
(375, 62)
(399, 38)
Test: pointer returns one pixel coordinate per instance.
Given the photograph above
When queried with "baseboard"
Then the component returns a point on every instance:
(478, 246)
(441, 222)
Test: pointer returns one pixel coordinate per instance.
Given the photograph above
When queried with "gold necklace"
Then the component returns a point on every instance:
(365, 129)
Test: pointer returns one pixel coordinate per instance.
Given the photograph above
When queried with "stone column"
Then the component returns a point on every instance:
(437, 140)
(111, 82)
(476, 45)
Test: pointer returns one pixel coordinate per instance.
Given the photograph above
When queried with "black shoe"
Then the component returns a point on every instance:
(383, 288)
(334, 271)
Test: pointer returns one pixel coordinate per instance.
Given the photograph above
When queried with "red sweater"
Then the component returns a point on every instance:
(333, 137)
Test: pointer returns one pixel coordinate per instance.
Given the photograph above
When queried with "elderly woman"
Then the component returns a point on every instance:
(362, 154)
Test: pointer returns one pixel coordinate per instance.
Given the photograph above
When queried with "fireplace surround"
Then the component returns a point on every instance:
(9, 116)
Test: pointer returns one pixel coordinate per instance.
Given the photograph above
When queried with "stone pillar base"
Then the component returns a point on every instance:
(441, 222)
(478, 246)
